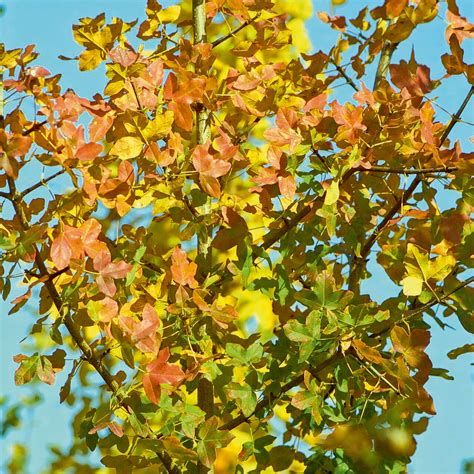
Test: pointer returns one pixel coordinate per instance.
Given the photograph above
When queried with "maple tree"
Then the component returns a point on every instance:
(204, 267)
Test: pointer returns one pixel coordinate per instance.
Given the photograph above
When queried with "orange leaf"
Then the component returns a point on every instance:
(182, 270)
(207, 165)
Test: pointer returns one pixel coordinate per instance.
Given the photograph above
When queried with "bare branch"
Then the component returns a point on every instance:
(348, 79)
(218, 41)
(37, 185)
(387, 169)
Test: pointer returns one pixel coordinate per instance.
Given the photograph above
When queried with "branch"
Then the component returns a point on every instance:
(422, 309)
(35, 186)
(298, 380)
(384, 62)
(88, 353)
(387, 169)
(355, 274)
(218, 41)
(348, 79)
(273, 236)
(36, 126)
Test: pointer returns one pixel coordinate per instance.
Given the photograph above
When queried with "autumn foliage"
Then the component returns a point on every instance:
(197, 247)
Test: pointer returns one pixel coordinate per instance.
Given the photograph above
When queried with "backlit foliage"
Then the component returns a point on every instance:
(204, 281)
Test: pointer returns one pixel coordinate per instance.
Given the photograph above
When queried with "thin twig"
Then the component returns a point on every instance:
(218, 41)
(387, 169)
(35, 186)
(345, 76)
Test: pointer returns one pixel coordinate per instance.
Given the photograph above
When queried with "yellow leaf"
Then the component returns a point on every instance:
(170, 14)
(90, 59)
(160, 126)
(332, 194)
(127, 147)
(412, 286)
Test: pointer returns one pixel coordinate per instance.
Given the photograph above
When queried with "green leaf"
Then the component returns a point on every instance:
(211, 438)
(244, 395)
(244, 356)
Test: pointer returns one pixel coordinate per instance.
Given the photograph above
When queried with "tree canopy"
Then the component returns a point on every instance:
(201, 269)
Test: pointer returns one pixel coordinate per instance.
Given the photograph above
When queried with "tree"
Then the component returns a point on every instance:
(204, 268)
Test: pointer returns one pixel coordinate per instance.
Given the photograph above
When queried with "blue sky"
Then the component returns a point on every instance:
(450, 437)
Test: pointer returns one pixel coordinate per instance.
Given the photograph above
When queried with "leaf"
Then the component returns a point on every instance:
(211, 438)
(395, 7)
(332, 194)
(412, 286)
(161, 372)
(127, 148)
(281, 458)
(61, 252)
(244, 395)
(455, 353)
(90, 59)
(412, 345)
(170, 14)
(27, 369)
(420, 269)
(207, 165)
(182, 270)
(89, 151)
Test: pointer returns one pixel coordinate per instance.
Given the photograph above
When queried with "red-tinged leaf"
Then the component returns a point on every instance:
(364, 95)
(144, 333)
(459, 26)
(156, 71)
(90, 231)
(412, 345)
(350, 120)
(198, 298)
(38, 71)
(395, 7)
(337, 22)
(166, 373)
(109, 309)
(191, 91)
(152, 388)
(61, 252)
(89, 151)
(106, 285)
(27, 369)
(366, 352)
(183, 115)
(210, 186)
(124, 57)
(99, 126)
(207, 165)
(287, 186)
(182, 270)
(45, 371)
(101, 260)
(18, 145)
(116, 270)
(21, 298)
(318, 102)
(415, 78)
(115, 429)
